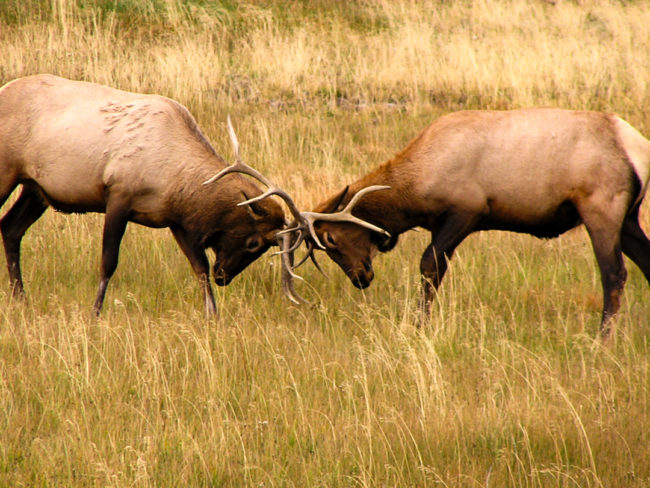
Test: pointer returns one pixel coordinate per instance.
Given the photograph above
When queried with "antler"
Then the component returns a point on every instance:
(303, 221)
(344, 215)
(287, 270)
(240, 167)
(284, 236)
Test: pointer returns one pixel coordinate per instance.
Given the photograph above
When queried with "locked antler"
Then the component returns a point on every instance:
(303, 223)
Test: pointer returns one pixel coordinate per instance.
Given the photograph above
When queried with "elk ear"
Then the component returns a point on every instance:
(337, 201)
(329, 240)
(254, 208)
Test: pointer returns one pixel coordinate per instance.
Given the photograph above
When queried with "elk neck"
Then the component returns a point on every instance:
(394, 209)
(199, 205)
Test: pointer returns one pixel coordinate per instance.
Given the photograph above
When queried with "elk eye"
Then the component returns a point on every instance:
(329, 239)
(253, 244)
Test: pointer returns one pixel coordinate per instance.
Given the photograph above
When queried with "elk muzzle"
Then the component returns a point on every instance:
(221, 277)
(361, 277)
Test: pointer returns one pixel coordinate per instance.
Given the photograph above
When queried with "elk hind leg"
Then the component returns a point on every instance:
(25, 211)
(635, 243)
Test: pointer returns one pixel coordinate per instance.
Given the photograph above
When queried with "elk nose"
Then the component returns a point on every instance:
(221, 278)
(361, 282)
(362, 279)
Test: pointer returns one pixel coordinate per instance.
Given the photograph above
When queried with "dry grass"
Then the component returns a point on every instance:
(508, 388)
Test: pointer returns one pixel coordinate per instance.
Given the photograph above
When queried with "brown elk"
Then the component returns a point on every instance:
(537, 171)
(83, 147)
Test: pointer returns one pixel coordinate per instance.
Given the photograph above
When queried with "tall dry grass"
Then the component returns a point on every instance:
(508, 386)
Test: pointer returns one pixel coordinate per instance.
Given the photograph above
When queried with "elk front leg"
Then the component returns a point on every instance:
(201, 266)
(433, 265)
(25, 211)
(117, 216)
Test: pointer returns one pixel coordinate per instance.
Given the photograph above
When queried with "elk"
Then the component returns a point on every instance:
(536, 171)
(83, 147)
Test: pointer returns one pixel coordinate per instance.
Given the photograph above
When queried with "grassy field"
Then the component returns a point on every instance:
(507, 387)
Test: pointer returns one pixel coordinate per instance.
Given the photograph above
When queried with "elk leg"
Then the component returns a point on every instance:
(201, 266)
(7, 186)
(433, 265)
(117, 216)
(607, 247)
(25, 211)
(635, 243)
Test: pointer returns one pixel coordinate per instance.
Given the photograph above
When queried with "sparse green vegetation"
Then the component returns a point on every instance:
(506, 388)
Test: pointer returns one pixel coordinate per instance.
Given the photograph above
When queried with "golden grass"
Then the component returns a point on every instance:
(506, 388)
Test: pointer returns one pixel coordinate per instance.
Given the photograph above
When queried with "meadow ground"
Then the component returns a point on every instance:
(507, 387)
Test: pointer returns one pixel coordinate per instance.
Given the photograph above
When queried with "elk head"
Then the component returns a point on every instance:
(231, 256)
(238, 245)
(350, 242)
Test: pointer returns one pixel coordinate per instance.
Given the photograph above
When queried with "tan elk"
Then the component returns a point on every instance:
(537, 171)
(83, 147)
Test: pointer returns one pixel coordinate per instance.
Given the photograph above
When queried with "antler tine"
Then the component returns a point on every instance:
(313, 260)
(310, 254)
(304, 258)
(233, 138)
(287, 271)
(296, 244)
(264, 195)
(238, 166)
(361, 193)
